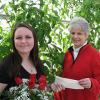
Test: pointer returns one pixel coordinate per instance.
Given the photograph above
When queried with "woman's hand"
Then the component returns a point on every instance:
(2, 87)
(57, 87)
(86, 83)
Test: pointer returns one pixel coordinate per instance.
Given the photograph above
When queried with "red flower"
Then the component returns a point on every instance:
(42, 82)
(32, 79)
(18, 80)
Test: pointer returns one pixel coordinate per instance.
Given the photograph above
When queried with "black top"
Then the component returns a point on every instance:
(5, 78)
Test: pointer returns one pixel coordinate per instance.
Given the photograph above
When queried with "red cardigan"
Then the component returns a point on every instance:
(86, 65)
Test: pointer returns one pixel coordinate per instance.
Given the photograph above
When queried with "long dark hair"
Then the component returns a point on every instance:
(14, 60)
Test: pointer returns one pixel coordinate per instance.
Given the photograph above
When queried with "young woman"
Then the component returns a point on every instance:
(24, 61)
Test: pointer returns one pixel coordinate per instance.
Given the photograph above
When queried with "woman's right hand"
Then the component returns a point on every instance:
(57, 87)
(2, 87)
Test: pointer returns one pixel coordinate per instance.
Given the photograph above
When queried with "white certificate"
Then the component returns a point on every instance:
(68, 83)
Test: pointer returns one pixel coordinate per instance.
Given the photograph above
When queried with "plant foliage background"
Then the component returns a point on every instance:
(50, 18)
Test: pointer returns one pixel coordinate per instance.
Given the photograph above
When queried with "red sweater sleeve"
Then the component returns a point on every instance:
(96, 74)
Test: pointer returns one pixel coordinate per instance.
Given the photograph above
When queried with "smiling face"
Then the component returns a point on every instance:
(78, 37)
(23, 40)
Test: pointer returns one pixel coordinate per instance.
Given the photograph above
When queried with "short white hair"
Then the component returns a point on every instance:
(79, 22)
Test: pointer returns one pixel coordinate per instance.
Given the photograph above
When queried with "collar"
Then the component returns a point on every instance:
(77, 49)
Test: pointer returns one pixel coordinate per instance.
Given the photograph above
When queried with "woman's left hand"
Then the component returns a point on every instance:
(86, 82)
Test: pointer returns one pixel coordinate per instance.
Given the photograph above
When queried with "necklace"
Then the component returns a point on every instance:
(31, 69)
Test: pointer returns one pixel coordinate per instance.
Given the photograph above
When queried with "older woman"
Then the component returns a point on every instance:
(82, 63)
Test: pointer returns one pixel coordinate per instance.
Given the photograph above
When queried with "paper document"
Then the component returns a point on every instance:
(68, 83)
